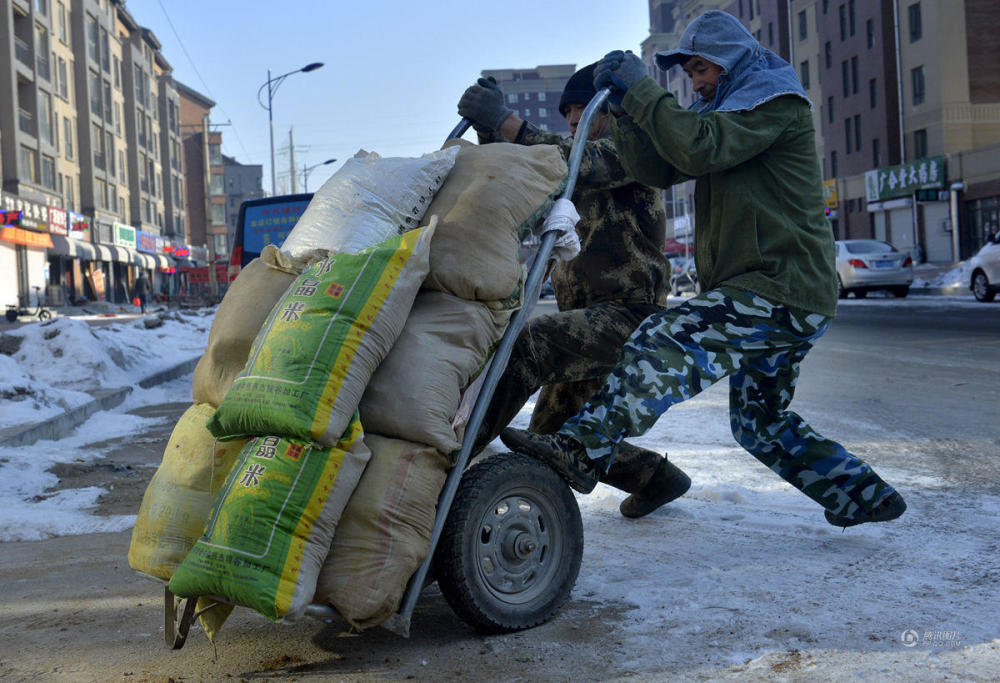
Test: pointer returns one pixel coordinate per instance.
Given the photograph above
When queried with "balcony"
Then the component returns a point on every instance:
(25, 121)
(42, 67)
(23, 52)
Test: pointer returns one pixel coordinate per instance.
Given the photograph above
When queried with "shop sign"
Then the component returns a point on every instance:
(58, 221)
(34, 216)
(146, 241)
(199, 253)
(830, 193)
(905, 179)
(124, 235)
(11, 218)
(97, 283)
(27, 238)
(160, 244)
(181, 252)
(79, 226)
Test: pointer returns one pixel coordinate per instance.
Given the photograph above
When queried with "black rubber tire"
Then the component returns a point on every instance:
(860, 293)
(901, 291)
(44, 314)
(981, 287)
(510, 550)
(11, 315)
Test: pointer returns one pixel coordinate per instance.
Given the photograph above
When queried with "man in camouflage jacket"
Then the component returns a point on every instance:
(619, 278)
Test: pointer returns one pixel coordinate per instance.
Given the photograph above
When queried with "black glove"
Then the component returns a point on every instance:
(483, 104)
(618, 71)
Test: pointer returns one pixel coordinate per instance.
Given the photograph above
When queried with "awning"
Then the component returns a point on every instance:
(162, 261)
(147, 260)
(26, 238)
(72, 248)
(120, 254)
(104, 252)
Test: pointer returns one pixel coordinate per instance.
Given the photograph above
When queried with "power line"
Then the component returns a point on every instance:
(200, 78)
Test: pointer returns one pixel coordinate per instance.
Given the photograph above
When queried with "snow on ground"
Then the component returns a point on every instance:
(48, 367)
(740, 568)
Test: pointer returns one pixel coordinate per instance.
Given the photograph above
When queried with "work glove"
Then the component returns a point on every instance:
(562, 219)
(618, 71)
(483, 104)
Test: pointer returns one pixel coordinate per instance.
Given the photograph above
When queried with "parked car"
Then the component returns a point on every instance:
(985, 280)
(683, 275)
(867, 265)
(547, 290)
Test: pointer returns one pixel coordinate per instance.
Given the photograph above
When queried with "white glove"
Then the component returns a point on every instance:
(562, 219)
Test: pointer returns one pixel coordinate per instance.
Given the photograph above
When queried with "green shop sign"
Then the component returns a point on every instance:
(905, 179)
(124, 235)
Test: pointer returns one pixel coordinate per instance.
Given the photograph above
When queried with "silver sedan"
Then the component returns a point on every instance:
(868, 265)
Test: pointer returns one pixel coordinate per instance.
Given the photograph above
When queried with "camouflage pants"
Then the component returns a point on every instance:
(726, 332)
(569, 353)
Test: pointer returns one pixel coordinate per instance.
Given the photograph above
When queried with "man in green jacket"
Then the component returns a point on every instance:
(764, 255)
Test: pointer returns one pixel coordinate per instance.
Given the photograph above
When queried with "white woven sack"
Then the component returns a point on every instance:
(369, 200)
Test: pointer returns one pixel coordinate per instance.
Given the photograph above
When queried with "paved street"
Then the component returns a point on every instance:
(890, 379)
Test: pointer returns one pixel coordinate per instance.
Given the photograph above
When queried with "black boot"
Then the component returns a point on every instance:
(890, 508)
(562, 453)
(650, 478)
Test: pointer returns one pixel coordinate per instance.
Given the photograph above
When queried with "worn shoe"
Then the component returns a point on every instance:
(668, 483)
(562, 453)
(650, 478)
(889, 509)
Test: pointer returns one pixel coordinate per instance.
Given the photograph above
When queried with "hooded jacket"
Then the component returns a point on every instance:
(759, 219)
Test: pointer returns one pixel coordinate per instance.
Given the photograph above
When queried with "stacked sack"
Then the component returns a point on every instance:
(263, 464)
(494, 194)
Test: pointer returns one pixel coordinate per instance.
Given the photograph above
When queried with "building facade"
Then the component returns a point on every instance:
(243, 182)
(533, 94)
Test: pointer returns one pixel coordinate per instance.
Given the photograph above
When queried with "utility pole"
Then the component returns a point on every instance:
(209, 236)
(291, 158)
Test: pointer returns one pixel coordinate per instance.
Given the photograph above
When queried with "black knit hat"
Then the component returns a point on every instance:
(579, 88)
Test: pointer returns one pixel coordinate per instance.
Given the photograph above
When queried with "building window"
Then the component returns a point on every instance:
(42, 54)
(870, 30)
(857, 132)
(93, 39)
(121, 167)
(215, 154)
(107, 102)
(844, 77)
(117, 72)
(804, 74)
(833, 164)
(803, 26)
(741, 8)
(105, 52)
(63, 79)
(916, 23)
(828, 51)
(45, 128)
(852, 16)
(876, 153)
(842, 10)
(512, 98)
(854, 75)
(848, 138)
(110, 149)
(68, 138)
(28, 171)
(826, 6)
(917, 77)
(750, 6)
(216, 185)
(217, 214)
(98, 139)
(95, 93)
(543, 112)
(829, 108)
(42, 7)
(220, 244)
(770, 33)
(63, 24)
(872, 93)
(920, 143)
(541, 96)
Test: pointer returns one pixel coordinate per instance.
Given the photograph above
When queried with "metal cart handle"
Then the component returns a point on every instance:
(400, 622)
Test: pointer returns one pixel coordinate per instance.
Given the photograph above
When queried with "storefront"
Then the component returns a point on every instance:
(909, 208)
(24, 239)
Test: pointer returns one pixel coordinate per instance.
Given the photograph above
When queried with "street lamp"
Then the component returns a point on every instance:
(272, 87)
(307, 169)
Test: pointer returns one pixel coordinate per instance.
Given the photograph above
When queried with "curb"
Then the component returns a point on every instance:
(104, 399)
(940, 291)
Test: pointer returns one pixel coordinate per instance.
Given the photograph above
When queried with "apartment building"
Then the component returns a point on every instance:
(533, 94)
(243, 182)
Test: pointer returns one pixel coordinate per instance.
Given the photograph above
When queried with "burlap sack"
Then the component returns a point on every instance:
(180, 495)
(241, 314)
(415, 392)
(320, 345)
(492, 190)
(384, 533)
(369, 200)
(272, 523)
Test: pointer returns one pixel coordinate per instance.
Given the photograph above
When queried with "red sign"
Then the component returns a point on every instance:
(182, 253)
(198, 276)
(58, 221)
(12, 218)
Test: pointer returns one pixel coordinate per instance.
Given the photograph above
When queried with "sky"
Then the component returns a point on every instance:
(393, 71)
(739, 572)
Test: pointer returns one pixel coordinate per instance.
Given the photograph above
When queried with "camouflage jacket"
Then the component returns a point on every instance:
(622, 228)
